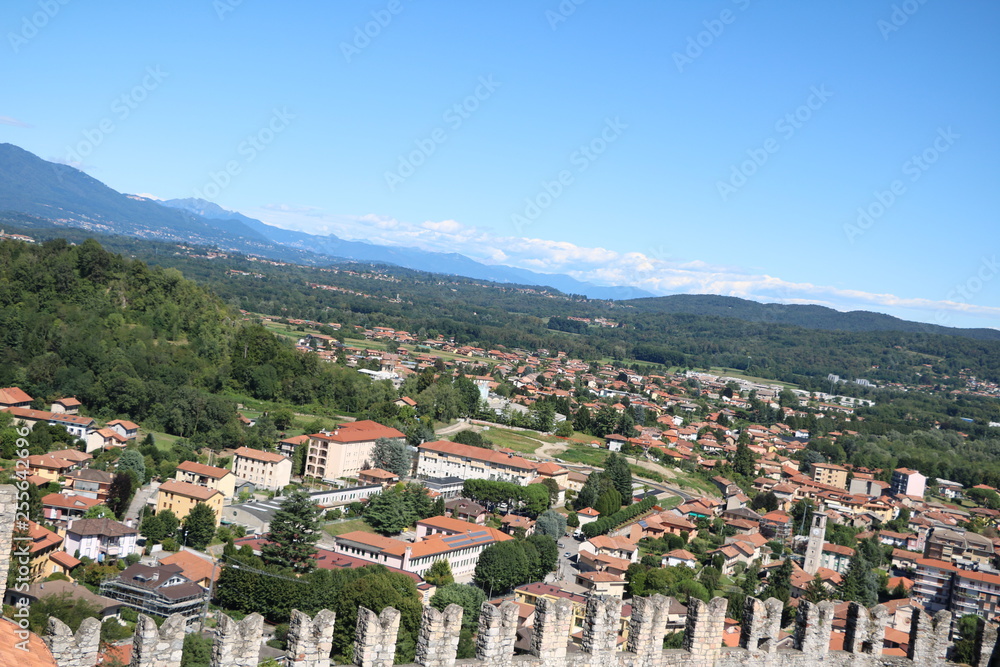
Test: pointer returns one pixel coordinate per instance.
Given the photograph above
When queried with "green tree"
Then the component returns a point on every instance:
(617, 470)
(779, 583)
(392, 455)
(68, 609)
(548, 555)
(551, 523)
(389, 513)
(469, 598)
(744, 462)
(295, 529)
(439, 574)
(970, 629)
(199, 526)
(120, 494)
(197, 651)
(99, 512)
(609, 503)
(133, 461)
(501, 567)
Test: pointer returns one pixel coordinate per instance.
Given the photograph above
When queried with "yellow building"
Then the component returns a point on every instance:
(219, 479)
(181, 497)
(830, 474)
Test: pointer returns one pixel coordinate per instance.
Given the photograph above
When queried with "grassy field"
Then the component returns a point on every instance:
(515, 440)
(732, 372)
(334, 529)
(585, 455)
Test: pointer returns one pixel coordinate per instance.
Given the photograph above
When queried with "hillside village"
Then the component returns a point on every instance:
(768, 518)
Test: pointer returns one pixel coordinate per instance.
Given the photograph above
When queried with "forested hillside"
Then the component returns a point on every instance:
(146, 344)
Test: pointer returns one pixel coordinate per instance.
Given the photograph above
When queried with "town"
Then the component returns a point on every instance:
(681, 496)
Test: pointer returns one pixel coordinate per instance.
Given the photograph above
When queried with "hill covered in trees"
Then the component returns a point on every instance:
(807, 316)
(146, 344)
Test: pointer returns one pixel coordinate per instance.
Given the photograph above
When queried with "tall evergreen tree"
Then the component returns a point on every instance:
(120, 494)
(199, 526)
(616, 468)
(291, 541)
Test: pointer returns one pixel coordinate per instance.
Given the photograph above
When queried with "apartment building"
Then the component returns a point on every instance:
(156, 591)
(266, 470)
(956, 545)
(932, 583)
(181, 497)
(346, 450)
(908, 482)
(451, 459)
(830, 474)
(101, 539)
(210, 477)
(460, 550)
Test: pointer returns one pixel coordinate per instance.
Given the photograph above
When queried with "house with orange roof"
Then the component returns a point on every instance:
(61, 508)
(41, 545)
(200, 570)
(211, 477)
(70, 406)
(452, 459)
(125, 428)
(679, 557)
(346, 450)
(267, 470)
(377, 476)
(14, 397)
(181, 497)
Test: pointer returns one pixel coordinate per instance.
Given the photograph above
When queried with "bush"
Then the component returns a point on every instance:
(606, 523)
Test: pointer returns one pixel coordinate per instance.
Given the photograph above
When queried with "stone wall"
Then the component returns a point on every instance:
(238, 644)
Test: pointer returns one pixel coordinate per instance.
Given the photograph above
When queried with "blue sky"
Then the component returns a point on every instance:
(835, 153)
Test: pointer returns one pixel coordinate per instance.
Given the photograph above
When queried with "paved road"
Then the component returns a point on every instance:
(139, 500)
(461, 425)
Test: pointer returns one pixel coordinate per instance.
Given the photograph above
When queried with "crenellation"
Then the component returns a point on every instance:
(237, 644)
(161, 646)
(813, 626)
(761, 624)
(80, 649)
(706, 623)
(497, 633)
(647, 629)
(437, 644)
(600, 628)
(310, 639)
(553, 620)
(376, 637)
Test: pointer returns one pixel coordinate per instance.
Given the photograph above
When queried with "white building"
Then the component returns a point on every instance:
(266, 470)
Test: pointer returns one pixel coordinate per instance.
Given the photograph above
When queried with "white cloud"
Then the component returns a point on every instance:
(654, 270)
(7, 120)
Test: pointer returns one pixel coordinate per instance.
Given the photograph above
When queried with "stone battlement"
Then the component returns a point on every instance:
(237, 644)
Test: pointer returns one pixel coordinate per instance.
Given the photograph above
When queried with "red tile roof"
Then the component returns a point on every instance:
(188, 490)
(202, 469)
(259, 455)
(478, 453)
(359, 431)
(13, 396)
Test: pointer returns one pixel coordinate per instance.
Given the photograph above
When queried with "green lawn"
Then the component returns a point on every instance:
(585, 455)
(515, 440)
(671, 502)
(334, 529)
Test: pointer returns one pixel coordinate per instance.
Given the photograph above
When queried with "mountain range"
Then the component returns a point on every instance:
(67, 197)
